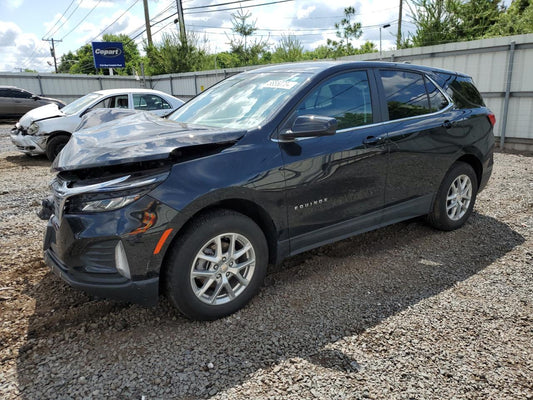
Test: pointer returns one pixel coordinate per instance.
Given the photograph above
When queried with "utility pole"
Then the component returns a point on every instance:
(53, 49)
(147, 22)
(399, 37)
(181, 20)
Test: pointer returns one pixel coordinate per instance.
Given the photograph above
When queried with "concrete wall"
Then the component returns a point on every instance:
(487, 61)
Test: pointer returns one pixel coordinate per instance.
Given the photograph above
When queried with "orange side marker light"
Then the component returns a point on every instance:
(162, 240)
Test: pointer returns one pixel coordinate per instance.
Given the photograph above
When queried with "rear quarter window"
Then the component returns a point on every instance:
(462, 91)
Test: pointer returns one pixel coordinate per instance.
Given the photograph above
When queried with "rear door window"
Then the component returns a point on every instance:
(149, 102)
(405, 94)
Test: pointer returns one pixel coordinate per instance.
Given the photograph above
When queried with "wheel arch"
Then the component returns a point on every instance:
(475, 163)
(243, 206)
(57, 133)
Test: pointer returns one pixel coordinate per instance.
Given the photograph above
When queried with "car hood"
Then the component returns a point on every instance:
(40, 113)
(136, 138)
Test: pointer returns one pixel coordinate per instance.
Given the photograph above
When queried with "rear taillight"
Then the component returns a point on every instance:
(492, 119)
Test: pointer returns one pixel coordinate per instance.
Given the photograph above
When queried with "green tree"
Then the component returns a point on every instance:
(476, 17)
(516, 20)
(367, 47)
(289, 49)
(437, 21)
(80, 62)
(347, 30)
(247, 51)
(174, 54)
(320, 53)
(444, 21)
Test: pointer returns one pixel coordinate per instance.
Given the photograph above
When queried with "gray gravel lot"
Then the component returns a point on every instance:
(405, 312)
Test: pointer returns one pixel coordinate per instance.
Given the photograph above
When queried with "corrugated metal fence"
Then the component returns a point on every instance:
(500, 67)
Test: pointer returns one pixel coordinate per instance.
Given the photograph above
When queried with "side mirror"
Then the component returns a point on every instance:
(311, 126)
(35, 97)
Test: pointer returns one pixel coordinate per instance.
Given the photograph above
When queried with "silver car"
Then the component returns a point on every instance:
(47, 129)
(15, 102)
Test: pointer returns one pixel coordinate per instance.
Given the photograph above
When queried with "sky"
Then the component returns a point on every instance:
(24, 23)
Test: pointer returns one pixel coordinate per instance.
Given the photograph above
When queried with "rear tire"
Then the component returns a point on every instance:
(55, 145)
(217, 265)
(455, 198)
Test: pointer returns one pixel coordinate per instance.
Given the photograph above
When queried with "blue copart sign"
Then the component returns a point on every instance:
(108, 55)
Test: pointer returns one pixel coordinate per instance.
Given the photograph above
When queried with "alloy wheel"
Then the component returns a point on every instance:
(223, 268)
(459, 197)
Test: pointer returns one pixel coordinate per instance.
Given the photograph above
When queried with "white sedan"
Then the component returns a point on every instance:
(46, 129)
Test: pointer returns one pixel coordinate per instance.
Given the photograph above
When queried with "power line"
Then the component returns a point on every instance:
(112, 23)
(59, 19)
(66, 19)
(83, 19)
(224, 9)
(217, 5)
(238, 8)
(132, 33)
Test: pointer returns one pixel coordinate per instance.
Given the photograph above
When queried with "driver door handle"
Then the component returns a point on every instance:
(373, 140)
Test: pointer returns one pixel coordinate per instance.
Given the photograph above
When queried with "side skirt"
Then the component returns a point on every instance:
(396, 213)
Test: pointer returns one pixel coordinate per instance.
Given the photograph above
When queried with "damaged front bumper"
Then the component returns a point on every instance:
(144, 292)
(28, 144)
(111, 254)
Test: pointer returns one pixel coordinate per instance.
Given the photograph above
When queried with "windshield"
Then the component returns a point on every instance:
(79, 104)
(241, 102)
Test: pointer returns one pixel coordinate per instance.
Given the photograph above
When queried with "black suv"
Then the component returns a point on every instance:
(264, 165)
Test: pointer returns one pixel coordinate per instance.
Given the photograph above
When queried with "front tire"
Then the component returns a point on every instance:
(455, 199)
(217, 265)
(55, 145)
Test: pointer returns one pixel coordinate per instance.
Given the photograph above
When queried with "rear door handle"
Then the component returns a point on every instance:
(373, 140)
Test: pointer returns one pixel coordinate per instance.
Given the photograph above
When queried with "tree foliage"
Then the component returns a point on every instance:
(174, 54)
(444, 21)
(289, 49)
(347, 30)
(436, 21)
(244, 50)
(516, 20)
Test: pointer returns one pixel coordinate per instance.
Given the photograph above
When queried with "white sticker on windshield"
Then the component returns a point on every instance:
(280, 84)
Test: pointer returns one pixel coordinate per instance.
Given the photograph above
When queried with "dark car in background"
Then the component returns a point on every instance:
(15, 102)
(264, 165)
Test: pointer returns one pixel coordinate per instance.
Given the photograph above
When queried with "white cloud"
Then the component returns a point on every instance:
(304, 12)
(8, 32)
(21, 50)
(14, 3)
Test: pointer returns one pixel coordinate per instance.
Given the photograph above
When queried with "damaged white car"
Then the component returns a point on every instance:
(47, 129)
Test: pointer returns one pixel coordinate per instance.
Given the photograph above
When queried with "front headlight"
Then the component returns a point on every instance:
(108, 204)
(108, 195)
(33, 129)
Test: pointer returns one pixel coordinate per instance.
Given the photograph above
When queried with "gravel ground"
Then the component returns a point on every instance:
(405, 312)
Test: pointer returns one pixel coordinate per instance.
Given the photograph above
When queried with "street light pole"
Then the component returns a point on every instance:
(380, 52)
